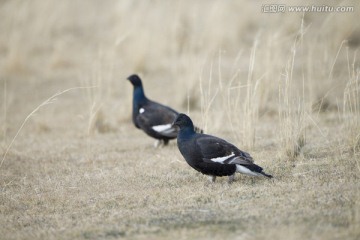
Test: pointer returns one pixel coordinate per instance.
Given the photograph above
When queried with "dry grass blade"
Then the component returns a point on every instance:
(46, 102)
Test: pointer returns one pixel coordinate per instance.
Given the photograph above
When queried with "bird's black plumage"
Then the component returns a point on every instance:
(212, 155)
(153, 118)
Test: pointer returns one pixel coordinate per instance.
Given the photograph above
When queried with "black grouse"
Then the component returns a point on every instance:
(211, 155)
(153, 118)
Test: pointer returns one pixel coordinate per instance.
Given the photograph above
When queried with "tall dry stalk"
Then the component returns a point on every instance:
(233, 102)
(207, 99)
(351, 106)
(100, 76)
(5, 112)
(292, 106)
(250, 107)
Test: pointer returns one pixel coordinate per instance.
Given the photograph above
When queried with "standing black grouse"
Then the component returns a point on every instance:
(153, 118)
(211, 155)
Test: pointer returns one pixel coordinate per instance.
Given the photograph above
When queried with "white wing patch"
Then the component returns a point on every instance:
(161, 128)
(244, 170)
(222, 159)
(141, 110)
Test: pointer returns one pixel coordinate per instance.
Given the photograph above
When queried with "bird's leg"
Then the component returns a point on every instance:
(231, 178)
(212, 178)
(161, 142)
(157, 143)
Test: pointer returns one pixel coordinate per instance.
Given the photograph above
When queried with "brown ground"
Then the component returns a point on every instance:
(283, 86)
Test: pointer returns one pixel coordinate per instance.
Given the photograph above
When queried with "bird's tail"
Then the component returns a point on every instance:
(251, 169)
(266, 175)
(198, 130)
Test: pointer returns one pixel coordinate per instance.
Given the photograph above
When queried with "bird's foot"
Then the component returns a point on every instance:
(231, 178)
(157, 143)
(212, 179)
(161, 143)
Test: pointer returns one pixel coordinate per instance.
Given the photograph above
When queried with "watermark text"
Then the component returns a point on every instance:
(282, 8)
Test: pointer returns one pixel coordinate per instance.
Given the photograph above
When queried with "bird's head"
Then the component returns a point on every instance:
(183, 121)
(135, 80)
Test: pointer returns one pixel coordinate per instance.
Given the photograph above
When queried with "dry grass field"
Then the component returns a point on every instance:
(283, 86)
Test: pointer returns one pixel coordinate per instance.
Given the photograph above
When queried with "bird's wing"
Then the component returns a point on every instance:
(157, 117)
(214, 168)
(241, 161)
(166, 130)
(214, 149)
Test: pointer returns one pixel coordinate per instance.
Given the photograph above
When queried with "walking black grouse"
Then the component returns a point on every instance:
(211, 155)
(153, 118)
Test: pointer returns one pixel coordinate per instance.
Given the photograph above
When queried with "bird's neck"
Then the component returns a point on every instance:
(186, 132)
(139, 95)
